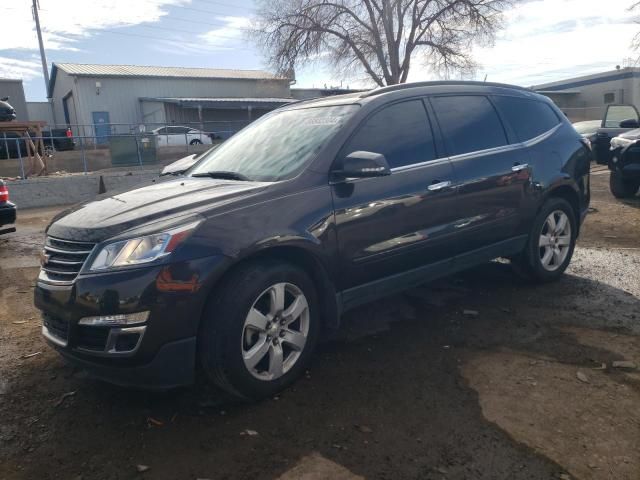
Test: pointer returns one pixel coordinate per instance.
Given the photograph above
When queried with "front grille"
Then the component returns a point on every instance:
(64, 259)
(57, 327)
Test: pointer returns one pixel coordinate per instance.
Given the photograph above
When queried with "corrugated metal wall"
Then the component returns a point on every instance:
(120, 96)
(14, 90)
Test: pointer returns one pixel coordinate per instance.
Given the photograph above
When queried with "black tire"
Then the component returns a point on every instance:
(195, 141)
(621, 187)
(222, 332)
(529, 263)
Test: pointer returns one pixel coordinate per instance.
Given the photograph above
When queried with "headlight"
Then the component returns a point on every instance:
(141, 250)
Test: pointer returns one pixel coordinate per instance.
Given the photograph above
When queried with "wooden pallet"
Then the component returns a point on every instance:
(37, 163)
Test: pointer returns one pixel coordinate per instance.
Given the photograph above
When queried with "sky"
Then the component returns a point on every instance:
(543, 40)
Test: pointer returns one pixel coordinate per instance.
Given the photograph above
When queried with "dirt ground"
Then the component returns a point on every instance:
(409, 388)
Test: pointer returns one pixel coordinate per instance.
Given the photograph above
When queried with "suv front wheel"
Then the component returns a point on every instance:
(551, 242)
(621, 187)
(259, 329)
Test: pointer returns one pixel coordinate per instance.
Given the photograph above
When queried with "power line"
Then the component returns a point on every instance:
(199, 22)
(129, 34)
(181, 30)
(207, 11)
(212, 2)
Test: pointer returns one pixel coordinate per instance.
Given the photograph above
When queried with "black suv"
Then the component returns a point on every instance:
(310, 211)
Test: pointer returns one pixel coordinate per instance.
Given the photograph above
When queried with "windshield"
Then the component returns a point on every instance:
(277, 146)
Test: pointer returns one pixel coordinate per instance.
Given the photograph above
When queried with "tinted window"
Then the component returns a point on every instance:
(401, 132)
(161, 131)
(177, 130)
(528, 118)
(469, 123)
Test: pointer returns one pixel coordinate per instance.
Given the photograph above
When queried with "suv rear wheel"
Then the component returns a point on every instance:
(621, 187)
(551, 242)
(259, 329)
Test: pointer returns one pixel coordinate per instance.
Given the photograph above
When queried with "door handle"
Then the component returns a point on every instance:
(436, 187)
(520, 167)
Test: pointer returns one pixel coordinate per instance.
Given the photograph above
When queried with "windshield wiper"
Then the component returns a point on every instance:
(223, 174)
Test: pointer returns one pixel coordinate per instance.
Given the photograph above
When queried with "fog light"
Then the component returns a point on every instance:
(115, 320)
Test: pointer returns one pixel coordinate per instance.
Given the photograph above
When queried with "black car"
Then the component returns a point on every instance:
(7, 112)
(618, 119)
(12, 145)
(310, 211)
(7, 210)
(624, 181)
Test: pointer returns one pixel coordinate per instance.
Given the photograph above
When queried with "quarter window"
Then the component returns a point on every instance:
(528, 118)
(469, 123)
(401, 132)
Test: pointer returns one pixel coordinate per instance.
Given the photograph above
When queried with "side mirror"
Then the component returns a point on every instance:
(363, 164)
(630, 123)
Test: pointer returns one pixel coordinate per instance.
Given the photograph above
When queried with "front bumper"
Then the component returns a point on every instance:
(627, 161)
(158, 354)
(8, 214)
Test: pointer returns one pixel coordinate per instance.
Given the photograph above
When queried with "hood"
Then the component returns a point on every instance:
(185, 163)
(631, 135)
(175, 199)
(180, 166)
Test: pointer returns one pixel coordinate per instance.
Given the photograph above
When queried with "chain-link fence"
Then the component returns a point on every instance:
(88, 148)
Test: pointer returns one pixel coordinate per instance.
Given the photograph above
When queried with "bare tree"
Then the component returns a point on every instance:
(380, 36)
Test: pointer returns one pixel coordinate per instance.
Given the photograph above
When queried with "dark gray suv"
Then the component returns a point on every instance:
(310, 211)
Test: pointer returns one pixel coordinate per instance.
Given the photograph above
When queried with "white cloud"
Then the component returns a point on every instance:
(232, 31)
(25, 69)
(65, 22)
(547, 40)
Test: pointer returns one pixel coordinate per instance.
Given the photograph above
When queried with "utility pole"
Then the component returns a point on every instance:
(43, 57)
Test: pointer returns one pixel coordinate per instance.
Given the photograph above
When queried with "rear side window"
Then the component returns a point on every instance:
(469, 123)
(401, 132)
(528, 118)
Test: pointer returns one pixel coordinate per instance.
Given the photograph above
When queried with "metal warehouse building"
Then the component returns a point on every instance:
(586, 98)
(109, 99)
(13, 89)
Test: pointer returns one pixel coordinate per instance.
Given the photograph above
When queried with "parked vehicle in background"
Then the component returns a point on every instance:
(617, 119)
(180, 166)
(624, 181)
(12, 145)
(177, 135)
(308, 212)
(58, 139)
(7, 210)
(588, 129)
(7, 112)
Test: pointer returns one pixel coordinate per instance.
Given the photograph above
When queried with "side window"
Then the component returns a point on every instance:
(619, 113)
(162, 131)
(528, 118)
(401, 132)
(469, 123)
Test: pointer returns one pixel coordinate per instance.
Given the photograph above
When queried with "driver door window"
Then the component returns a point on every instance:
(401, 132)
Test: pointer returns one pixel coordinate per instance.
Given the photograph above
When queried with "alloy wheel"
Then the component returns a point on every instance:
(555, 240)
(275, 331)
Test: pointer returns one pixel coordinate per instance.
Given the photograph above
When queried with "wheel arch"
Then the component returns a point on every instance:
(569, 194)
(307, 261)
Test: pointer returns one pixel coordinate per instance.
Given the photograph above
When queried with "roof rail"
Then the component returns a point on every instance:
(406, 86)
